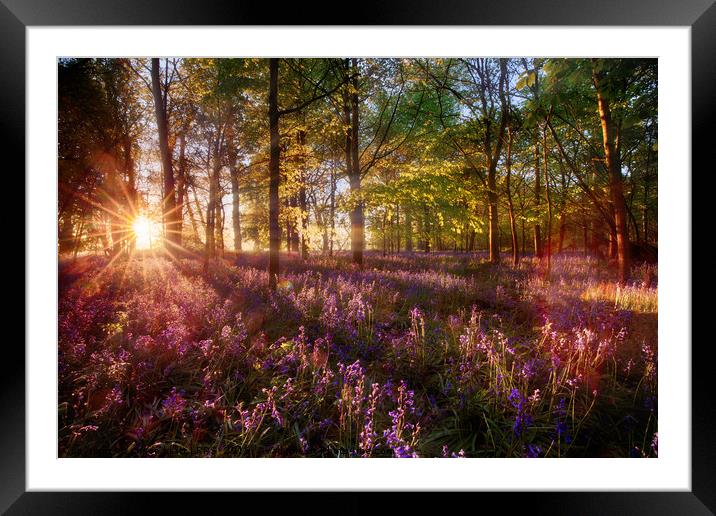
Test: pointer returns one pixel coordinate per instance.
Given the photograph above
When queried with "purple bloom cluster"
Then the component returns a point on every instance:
(343, 362)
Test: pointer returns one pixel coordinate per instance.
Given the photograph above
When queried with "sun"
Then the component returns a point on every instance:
(142, 228)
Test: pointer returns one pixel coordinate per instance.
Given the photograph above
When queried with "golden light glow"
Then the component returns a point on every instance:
(142, 228)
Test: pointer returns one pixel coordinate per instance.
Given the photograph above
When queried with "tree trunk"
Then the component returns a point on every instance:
(211, 208)
(169, 201)
(356, 215)
(274, 175)
(426, 230)
(235, 193)
(219, 206)
(585, 234)
(289, 228)
(397, 228)
(190, 211)
(385, 233)
(513, 227)
(409, 227)
(302, 204)
(537, 241)
(333, 211)
(616, 187)
(181, 188)
(493, 242)
(131, 187)
(492, 160)
(235, 208)
(549, 200)
(563, 208)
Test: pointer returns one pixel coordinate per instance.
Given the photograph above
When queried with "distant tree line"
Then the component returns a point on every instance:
(519, 156)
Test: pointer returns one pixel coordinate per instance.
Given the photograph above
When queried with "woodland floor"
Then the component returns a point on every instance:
(430, 355)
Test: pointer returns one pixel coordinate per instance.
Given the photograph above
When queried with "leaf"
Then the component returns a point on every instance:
(521, 82)
(531, 78)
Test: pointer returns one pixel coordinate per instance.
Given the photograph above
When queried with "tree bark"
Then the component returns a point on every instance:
(212, 208)
(232, 156)
(302, 201)
(131, 186)
(538, 200)
(181, 187)
(169, 201)
(513, 227)
(333, 210)
(274, 175)
(356, 215)
(616, 187)
(549, 200)
(235, 208)
(492, 159)
(409, 227)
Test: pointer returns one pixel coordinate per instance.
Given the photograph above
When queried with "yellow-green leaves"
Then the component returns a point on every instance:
(527, 79)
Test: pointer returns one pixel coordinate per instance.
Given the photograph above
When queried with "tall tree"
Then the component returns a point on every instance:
(169, 206)
(612, 157)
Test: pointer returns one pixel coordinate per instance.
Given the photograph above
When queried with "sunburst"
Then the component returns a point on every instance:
(143, 229)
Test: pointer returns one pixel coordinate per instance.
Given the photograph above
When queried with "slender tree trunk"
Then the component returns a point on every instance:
(211, 208)
(219, 205)
(616, 187)
(356, 215)
(493, 243)
(232, 156)
(289, 232)
(426, 230)
(333, 210)
(192, 219)
(492, 160)
(563, 207)
(113, 193)
(549, 200)
(538, 199)
(420, 230)
(235, 208)
(302, 204)
(169, 201)
(634, 224)
(585, 234)
(131, 187)
(645, 207)
(409, 227)
(397, 228)
(385, 216)
(294, 221)
(181, 187)
(274, 175)
(196, 203)
(513, 227)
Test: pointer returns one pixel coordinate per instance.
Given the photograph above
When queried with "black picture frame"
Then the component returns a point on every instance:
(17, 15)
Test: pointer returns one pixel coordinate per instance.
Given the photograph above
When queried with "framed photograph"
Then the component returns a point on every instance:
(269, 252)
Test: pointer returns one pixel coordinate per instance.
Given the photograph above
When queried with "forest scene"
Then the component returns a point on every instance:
(357, 257)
